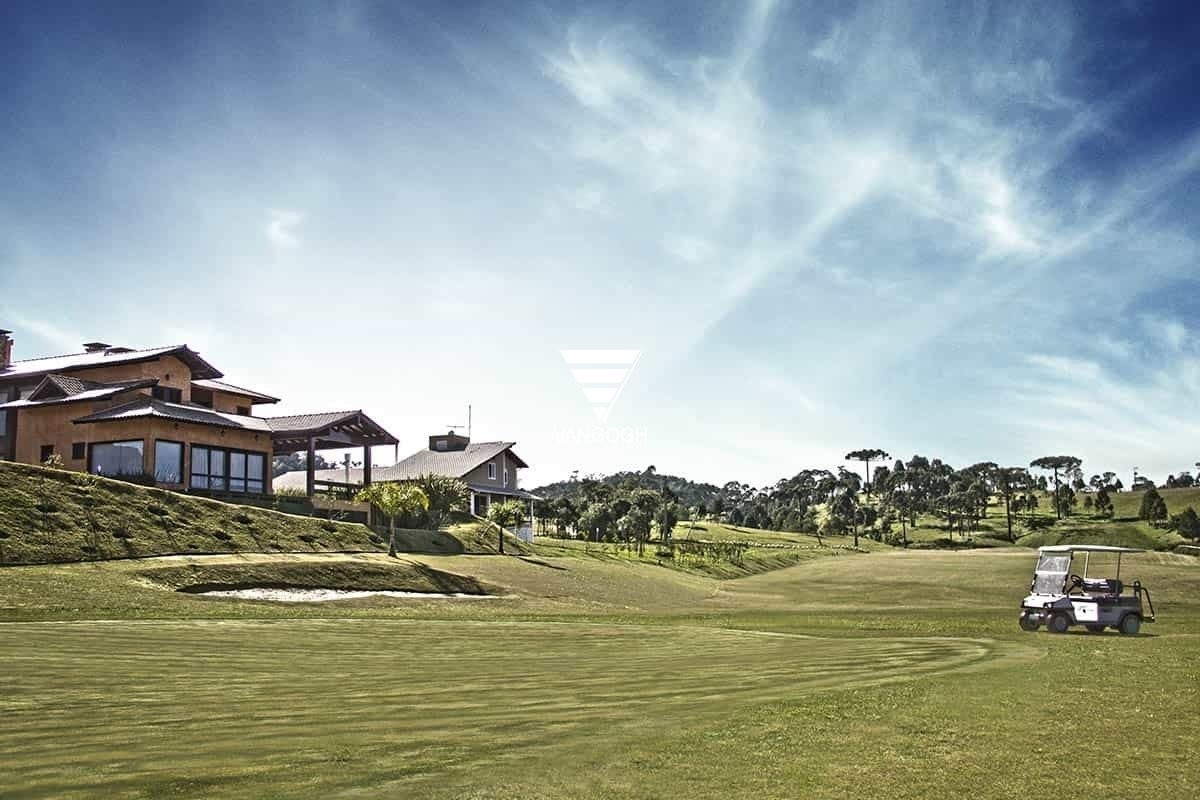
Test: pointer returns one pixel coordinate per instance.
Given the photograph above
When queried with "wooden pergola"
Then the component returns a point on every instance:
(327, 431)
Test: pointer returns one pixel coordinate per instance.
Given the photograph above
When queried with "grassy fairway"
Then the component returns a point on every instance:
(883, 674)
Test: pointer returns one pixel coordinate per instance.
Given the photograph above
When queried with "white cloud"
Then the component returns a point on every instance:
(689, 248)
(1167, 332)
(281, 229)
(62, 339)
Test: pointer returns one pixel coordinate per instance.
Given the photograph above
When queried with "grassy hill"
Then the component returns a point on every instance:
(54, 516)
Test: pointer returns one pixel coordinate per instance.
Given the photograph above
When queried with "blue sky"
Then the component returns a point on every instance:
(965, 230)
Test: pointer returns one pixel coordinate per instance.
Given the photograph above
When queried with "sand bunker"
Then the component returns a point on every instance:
(325, 595)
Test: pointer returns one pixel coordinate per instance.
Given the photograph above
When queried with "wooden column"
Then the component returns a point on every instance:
(367, 482)
(310, 485)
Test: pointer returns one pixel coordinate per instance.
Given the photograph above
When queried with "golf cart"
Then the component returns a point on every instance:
(1060, 598)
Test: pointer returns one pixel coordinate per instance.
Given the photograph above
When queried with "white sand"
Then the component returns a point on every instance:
(324, 595)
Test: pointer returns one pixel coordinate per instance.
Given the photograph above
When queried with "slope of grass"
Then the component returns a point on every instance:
(1127, 504)
(50, 515)
(54, 516)
(592, 678)
(753, 560)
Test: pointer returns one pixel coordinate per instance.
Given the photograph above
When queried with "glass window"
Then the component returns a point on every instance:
(256, 468)
(492, 470)
(117, 458)
(216, 468)
(199, 467)
(237, 472)
(167, 394)
(232, 470)
(1051, 575)
(168, 462)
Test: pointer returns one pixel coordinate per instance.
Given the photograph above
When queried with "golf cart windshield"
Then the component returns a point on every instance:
(1051, 574)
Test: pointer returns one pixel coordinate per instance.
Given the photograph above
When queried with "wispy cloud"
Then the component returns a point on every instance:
(52, 332)
(281, 228)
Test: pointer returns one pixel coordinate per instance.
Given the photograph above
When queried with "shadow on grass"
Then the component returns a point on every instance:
(540, 563)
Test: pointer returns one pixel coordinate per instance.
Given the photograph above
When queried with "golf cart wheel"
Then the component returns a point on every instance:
(1130, 624)
(1028, 622)
(1094, 628)
(1058, 623)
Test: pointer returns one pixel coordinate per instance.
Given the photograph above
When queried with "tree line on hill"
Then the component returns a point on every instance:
(882, 503)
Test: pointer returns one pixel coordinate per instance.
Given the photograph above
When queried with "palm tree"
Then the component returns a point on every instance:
(393, 500)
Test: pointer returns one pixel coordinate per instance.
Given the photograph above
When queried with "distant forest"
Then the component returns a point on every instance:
(882, 502)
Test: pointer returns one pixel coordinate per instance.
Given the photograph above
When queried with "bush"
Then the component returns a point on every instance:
(1154, 508)
(1186, 523)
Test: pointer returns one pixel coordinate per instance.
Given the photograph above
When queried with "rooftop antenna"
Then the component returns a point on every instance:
(467, 426)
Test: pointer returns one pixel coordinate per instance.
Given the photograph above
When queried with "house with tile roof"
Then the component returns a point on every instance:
(163, 414)
(490, 470)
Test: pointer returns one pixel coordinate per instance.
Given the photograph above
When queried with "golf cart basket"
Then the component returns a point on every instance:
(1061, 597)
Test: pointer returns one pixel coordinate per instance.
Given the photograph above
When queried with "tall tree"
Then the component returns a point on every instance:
(1059, 466)
(867, 456)
(844, 502)
(1011, 481)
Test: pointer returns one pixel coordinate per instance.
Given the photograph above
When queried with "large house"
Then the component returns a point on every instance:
(488, 468)
(162, 414)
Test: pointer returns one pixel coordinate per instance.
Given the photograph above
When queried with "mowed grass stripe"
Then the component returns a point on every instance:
(151, 705)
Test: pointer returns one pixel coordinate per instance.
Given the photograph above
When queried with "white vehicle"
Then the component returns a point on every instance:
(1060, 598)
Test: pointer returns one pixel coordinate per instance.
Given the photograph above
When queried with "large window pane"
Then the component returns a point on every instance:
(168, 462)
(216, 469)
(256, 467)
(199, 460)
(237, 465)
(117, 458)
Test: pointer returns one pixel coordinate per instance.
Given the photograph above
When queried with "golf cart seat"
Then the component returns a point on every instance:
(1101, 586)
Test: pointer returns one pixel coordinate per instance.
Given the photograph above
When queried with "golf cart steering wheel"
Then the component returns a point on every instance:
(1076, 583)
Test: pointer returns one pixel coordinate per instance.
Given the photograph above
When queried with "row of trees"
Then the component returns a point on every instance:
(820, 501)
(427, 503)
(626, 512)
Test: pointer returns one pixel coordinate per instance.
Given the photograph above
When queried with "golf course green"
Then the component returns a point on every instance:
(863, 675)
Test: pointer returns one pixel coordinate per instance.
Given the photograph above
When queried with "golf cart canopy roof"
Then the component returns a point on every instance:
(1087, 548)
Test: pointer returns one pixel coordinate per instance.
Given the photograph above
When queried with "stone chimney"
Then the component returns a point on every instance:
(95, 347)
(6, 343)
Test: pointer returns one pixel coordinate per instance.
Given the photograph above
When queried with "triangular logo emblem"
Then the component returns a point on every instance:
(602, 374)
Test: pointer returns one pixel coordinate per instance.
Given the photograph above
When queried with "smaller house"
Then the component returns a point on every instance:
(489, 469)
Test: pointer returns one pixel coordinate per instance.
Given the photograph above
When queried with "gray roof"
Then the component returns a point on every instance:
(68, 384)
(455, 463)
(483, 488)
(198, 415)
(302, 423)
(74, 390)
(222, 386)
(36, 367)
(298, 478)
